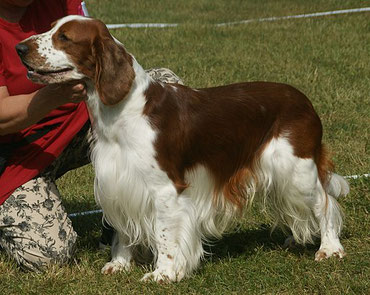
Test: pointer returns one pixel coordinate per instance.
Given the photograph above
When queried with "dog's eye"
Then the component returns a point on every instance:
(63, 37)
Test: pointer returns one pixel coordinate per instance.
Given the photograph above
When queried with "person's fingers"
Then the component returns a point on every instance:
(79, 93)
(79, 87)
(72, 91)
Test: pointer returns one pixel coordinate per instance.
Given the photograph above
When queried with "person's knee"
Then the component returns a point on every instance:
(38, 257)
(43, 234)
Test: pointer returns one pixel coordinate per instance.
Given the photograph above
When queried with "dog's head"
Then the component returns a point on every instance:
(79, 48)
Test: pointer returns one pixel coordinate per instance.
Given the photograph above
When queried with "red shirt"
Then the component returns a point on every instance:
(28, 161)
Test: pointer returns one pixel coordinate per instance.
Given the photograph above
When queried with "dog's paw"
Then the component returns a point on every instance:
(156, 276)
(115, 266)
(162, 276)
(327, 252)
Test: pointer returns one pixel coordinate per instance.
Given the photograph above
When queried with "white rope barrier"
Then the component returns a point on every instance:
(149, 25)
(356, 176)
(84, 9)
(267, 19)
(306, 15)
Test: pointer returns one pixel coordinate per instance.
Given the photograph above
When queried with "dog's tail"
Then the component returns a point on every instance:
(337, 186)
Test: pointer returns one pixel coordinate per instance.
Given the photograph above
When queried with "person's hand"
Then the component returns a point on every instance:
(73, 91)
(79, 92)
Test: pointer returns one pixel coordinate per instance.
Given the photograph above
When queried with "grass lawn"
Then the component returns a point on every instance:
(327, 58)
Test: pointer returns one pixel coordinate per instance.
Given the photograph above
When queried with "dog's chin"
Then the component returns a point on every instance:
(50, 77)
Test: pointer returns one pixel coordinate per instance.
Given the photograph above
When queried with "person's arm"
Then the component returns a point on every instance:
(21, 111)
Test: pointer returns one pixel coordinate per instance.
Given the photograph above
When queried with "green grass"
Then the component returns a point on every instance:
(327, 58)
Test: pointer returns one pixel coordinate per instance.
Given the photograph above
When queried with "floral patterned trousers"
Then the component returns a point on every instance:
(34, 227)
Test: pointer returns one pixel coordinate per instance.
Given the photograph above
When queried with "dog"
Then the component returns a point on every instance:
(177, 166)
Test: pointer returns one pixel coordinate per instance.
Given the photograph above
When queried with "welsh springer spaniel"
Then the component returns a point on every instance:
(176, 166)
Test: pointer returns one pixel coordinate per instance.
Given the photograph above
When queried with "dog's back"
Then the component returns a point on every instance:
(226, 128)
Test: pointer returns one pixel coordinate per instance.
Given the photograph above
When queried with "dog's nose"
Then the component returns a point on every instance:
(22, 49)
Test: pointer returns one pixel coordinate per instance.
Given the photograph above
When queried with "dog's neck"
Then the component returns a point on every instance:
(106, 117)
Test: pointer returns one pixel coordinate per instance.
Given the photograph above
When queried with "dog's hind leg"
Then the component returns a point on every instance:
(329, 221)
(297, 199)
(328, 214)
(178, 245)
(121, 255)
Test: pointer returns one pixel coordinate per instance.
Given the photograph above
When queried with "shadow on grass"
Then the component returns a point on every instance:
(245, 242)
(89, 229)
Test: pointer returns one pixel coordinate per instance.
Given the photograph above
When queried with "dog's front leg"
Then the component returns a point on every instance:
(178, 245)
(121, 255)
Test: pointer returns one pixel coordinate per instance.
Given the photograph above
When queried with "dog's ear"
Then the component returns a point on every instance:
(114, 74)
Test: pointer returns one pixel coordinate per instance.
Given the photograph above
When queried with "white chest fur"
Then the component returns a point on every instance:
(127, 174)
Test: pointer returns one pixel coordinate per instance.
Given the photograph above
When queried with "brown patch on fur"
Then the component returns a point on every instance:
(320, 255)
(324, 167)
(97, 55)
(169, 256)
(109, 271)
(235, 189)
(226, 129)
